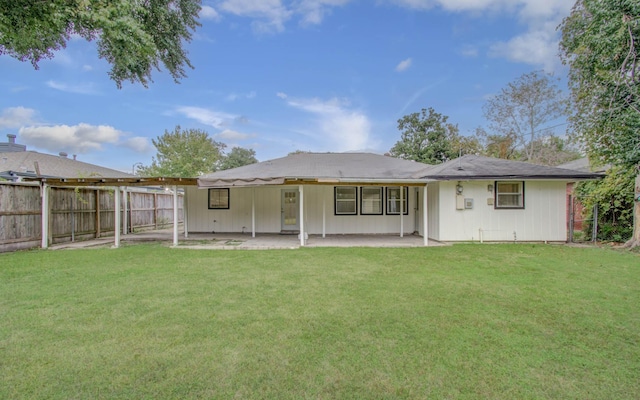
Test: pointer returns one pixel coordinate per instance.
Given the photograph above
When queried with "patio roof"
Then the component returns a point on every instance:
(100, 181)
(321, 168)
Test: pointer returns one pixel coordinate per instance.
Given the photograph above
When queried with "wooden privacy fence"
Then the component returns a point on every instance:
(77, 213)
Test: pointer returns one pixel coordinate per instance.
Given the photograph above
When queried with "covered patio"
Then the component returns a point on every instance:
(239, 241)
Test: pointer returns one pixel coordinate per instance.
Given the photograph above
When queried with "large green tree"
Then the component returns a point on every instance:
(238, 157)
(426, 137)
(601, 44)
(184, 153)
(134, 36)
(523, 112)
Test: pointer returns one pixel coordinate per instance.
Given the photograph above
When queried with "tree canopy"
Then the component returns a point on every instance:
(601, 44)
(238, 157)
(426, 137)
(135, 37)
(184, 153)
(521, 113)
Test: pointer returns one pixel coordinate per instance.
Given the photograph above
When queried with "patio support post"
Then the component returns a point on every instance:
(125, 206)
(116, 219)
(324, 216)
(253, 212)
(425, 218)
(184, 213)
(301, 189)
(44, 192)
(402, 211)
(175, 215)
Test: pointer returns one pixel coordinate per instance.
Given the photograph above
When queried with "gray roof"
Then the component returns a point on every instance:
(367, 167)
(22, 163)
(472, 167)
(583, 164)
(320, 167)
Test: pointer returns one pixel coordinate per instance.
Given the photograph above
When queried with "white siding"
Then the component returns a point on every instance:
(433, 205)
(543, 218)
(268, 213)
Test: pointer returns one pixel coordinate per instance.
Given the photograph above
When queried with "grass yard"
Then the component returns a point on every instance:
(462, 322)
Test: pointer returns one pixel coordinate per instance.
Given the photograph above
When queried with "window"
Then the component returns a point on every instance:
(219, 199)
(393, 200)
(346, 200)
(509, 195)
(371, 200)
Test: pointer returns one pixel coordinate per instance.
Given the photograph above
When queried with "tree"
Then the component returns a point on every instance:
(133, 36)
(238, 157)
(521, 112)
(601, 44)
(426, 137)
(184, 153)
(553, 150)
(498, 146)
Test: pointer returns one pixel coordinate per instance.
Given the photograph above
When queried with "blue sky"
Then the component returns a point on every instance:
(278, 76)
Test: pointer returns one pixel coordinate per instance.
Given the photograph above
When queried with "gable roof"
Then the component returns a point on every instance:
(472, 167)
(22, 163)
(321, 168)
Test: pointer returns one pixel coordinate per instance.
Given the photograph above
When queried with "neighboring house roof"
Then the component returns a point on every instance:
(583, 164)
(472, 167)
(23, 163)
(318, 167)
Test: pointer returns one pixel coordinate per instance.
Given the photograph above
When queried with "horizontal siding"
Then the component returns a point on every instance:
(542, 219)
(318, 201)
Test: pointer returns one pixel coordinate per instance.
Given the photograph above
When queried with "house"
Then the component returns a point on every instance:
(472, 198)
(16, 162)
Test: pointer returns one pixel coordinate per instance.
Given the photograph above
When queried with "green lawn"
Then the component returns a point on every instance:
(462, 322)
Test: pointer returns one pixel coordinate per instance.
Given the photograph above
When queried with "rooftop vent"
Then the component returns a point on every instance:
(63, 154)
(12, 138)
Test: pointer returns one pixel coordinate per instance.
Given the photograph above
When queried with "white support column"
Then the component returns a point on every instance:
(425, 217)
(324, 216)
(253, 212)
(184, 213)
(402, 211)
(116, 223)
(175, 215)
(301, 189)
(44, 192)
(125, 206)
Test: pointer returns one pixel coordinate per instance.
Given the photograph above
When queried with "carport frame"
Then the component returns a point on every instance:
(116, 184)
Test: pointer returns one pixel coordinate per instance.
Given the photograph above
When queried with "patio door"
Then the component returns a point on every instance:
(290, 211)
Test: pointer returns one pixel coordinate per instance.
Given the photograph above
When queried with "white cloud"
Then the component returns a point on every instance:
(216, 119)
(139, 144)
(82, 88)
(87, 67)
(341, 127)
(81, 138)
(235, 96)
(534, 47)
(15, 117)
(208, 12)
(404, 65)
(281, 95)
(270, 15)
(469, 51)
(537, 45)
(229, 134)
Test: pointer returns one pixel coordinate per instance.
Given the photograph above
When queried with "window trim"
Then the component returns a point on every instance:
(406, 200)
(219, 207)
(496, 206)
(335, 200)
(380, 191)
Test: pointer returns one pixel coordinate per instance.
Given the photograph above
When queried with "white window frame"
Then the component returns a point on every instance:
(367, 202)
(393, 203)
(337, 200)
(498, 194)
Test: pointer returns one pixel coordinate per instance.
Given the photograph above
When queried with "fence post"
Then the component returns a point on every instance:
(594, 231)
(571, 218)
(155, 210)
(97, 213)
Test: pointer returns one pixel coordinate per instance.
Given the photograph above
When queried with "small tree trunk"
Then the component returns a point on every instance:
(635, 239)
